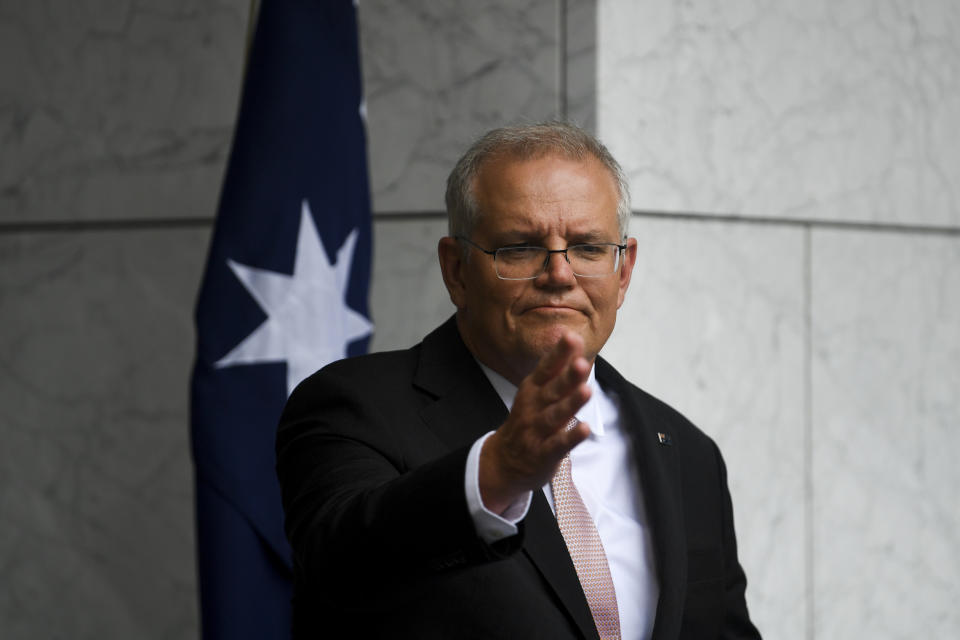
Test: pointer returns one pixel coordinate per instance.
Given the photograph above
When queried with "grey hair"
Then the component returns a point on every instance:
(522, 143)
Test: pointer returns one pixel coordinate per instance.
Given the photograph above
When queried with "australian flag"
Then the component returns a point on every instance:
(284, 293)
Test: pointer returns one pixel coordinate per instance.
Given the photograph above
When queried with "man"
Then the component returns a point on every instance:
(500, 480)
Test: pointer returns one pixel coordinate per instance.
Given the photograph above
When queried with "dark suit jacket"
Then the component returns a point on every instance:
(371, 456)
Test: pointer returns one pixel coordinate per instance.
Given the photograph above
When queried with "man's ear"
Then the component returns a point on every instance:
(626, 269)
(452, 264)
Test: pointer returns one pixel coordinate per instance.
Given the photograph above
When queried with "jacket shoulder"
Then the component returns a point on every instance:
(367, 371)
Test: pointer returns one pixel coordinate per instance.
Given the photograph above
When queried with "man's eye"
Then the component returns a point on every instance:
(519, 253)
(589, 251)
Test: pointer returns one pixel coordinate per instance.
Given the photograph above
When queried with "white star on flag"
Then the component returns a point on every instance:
(308, 321)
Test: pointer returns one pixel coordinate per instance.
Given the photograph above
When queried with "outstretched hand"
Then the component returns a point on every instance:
(523, 454)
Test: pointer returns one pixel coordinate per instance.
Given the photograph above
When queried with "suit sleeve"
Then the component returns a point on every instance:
(358, 508)
(736, 623)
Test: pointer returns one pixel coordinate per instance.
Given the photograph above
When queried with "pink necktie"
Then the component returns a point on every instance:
(586, 550)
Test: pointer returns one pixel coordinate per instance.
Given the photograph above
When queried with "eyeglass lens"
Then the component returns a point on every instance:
(590, 260)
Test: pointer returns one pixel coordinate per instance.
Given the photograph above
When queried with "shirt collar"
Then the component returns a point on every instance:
(591, 412)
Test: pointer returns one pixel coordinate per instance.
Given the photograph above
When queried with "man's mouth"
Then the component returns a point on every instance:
(552, 308)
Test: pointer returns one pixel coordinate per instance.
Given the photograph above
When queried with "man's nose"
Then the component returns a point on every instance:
(558, 269)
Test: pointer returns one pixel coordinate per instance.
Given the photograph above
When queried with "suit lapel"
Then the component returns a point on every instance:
(659, 474)
(466, 405)
(465, 408)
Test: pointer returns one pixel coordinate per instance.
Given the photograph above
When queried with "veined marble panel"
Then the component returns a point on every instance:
(438, 74)
(96, 495)
(407, 295)
(117, 110)
(886, 433)
(580, 63)
(713, 325)
(817, 110)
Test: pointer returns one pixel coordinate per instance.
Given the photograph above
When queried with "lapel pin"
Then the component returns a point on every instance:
(664, 439)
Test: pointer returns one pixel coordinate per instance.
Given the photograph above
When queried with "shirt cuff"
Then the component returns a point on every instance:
(490, 526)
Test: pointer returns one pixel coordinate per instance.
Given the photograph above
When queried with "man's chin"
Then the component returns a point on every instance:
(542, 339)
(554, 319)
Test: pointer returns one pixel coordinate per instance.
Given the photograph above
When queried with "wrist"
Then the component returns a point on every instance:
(496, 492)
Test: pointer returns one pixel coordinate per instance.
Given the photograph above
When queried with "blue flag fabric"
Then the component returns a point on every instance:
(284, 292)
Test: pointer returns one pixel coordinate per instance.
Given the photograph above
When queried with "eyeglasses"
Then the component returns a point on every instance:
(591, 260)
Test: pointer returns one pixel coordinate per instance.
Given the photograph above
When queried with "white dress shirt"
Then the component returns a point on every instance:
(604, 471)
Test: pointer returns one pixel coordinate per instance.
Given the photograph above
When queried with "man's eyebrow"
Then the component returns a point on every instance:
(534, 237)
(521, 236)
(589, 236)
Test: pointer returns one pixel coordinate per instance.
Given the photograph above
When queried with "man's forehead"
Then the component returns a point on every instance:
(516, 223)
(586, 220)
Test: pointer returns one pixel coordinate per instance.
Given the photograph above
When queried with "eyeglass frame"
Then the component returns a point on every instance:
(617, 263)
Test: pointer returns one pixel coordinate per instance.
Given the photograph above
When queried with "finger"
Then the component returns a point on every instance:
(558, 414)
(575, 373)
(554, 361)
(541, 419)
(568, 346)
(573, 376)
(564, 441)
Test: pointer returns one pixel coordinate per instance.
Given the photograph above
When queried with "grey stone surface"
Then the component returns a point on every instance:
(437, 74)
(886, 432)
(816, 110)
(579, 93)
(116, 110)
(407, 296)
(95, 476)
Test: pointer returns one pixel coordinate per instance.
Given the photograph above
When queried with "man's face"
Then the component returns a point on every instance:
(553, 202)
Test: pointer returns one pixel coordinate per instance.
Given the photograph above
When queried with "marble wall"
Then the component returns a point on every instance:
(815, 110)
(796, 293)
(885, 422)
(795, 166)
